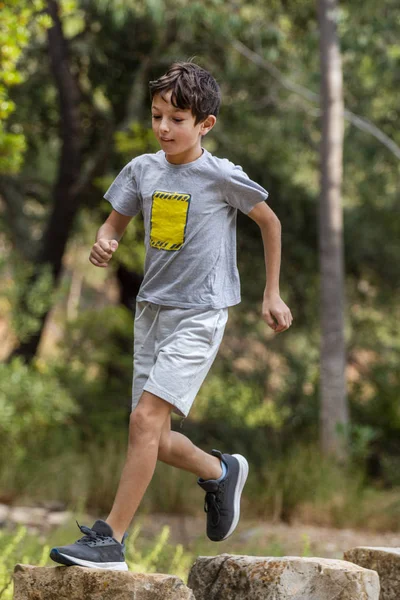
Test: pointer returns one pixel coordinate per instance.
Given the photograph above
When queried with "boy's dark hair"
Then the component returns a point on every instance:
(192, 87)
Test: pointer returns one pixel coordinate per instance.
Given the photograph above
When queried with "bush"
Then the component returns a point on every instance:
(32, 402)
(94, 364)
(33, 407)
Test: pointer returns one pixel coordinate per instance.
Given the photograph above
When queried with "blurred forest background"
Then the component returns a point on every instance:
(75, 108)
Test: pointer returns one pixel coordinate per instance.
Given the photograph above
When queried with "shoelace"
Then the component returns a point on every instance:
(90, 534)
(212, 504)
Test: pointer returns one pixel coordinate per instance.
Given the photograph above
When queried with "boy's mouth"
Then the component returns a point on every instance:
(166, 139)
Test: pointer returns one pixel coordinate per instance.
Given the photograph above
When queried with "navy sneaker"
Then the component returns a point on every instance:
(97, 549)
(222, 501)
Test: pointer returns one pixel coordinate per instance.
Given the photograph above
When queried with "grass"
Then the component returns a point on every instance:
(302, 486)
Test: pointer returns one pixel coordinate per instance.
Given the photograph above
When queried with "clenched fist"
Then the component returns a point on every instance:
(102, 252)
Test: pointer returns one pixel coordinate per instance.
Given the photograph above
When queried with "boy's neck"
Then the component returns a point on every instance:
(185, 157)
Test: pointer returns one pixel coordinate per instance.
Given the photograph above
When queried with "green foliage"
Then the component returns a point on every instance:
(30, 295)
(62, 467)
(299, 476)
(132, 251)
(298, 484)
(302, 484)
(95, 366)
(12, 148)
(115, 47)
(35, 409)
(32, 402)
(11, 553)
(16, 31)
(137, 140)
(179, 494)
(160, 557)
(360, 438)
(238, 403)
(306, 546)
(374, 377)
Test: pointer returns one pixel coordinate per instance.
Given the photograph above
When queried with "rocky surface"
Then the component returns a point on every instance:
(386, 562)
(228, 577)
(38, 519)
(77, 583)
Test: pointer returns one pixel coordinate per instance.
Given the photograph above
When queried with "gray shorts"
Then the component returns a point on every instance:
(174, 349)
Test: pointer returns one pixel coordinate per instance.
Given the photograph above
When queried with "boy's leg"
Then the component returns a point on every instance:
(145, 428)
(177, 450)
(151, 421)
(102, 545)
(223, 487)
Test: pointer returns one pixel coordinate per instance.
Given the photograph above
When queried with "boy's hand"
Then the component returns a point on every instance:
(274, 309)
(102, 252)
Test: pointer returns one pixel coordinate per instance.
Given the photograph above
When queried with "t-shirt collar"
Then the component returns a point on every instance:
(193, 163)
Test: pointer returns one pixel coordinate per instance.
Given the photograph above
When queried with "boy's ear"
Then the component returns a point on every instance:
(207, 124)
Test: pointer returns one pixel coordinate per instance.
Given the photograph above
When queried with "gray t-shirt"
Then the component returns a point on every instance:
(189, 216)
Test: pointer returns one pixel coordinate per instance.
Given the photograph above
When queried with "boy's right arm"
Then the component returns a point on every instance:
(107, 238)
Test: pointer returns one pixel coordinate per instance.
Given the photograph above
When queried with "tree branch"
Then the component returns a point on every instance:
(357, 121)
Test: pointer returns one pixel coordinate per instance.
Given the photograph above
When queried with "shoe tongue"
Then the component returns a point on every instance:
(209, 486)
(103, 528)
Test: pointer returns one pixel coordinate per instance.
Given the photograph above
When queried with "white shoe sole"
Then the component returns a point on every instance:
(109, 566)
(243, 473)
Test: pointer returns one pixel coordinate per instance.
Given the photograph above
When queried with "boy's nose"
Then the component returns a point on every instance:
(164, 127)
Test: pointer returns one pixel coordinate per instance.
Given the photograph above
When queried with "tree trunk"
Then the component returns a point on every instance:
(66, 201)
(333, 410)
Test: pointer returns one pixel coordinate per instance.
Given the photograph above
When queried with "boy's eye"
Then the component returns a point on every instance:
(176, 119)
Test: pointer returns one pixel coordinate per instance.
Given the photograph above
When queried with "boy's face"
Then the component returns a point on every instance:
(176, 131)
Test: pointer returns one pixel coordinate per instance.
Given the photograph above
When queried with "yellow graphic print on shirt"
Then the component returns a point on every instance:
(169, 215)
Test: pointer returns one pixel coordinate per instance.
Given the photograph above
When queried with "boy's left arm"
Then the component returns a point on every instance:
(273, 305)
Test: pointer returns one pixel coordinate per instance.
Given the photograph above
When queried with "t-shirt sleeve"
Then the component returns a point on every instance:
(241, 192)
(123, 193)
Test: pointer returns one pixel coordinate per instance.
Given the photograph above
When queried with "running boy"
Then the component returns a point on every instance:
(189, 200)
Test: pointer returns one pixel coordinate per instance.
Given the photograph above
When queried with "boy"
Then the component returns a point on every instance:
(189, 200)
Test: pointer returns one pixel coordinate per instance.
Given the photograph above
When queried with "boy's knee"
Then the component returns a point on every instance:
(142, 424)
(147, 420)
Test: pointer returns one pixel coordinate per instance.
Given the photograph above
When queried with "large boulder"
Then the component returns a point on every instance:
(78, 583)
(386, 562)
(230, 577)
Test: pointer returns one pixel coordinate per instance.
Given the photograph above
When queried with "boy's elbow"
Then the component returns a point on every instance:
(264, 216)
(270, 224)
(278, 223)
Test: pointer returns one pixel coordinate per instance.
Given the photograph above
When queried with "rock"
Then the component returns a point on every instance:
(56, 519)
(385, 561)
(53, 505)
(78, 583)
(230, 577)
(25, 515)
